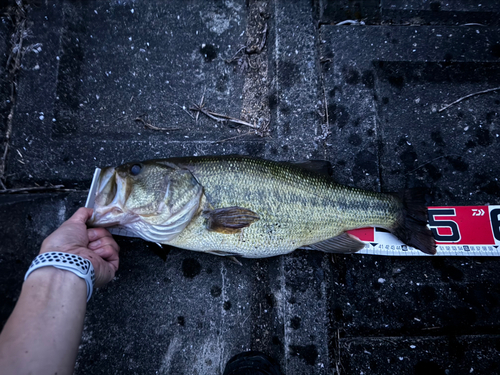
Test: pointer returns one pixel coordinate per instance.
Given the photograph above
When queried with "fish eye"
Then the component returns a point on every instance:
(135, 170)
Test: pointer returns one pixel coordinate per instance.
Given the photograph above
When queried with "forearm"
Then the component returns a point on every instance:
(43, 333)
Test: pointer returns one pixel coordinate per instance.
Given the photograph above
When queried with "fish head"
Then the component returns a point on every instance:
(141, 195)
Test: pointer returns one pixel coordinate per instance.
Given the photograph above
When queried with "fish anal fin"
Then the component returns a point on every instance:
(229, 220)
(344, 243)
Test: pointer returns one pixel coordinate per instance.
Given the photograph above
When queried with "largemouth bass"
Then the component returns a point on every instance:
(236, 205)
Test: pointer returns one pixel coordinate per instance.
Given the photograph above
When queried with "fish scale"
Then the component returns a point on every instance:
(296, 208)
(236, 205)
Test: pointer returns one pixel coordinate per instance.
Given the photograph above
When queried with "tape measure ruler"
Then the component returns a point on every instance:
(458, 230)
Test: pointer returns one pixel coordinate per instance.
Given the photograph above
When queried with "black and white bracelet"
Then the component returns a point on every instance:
(70, 262)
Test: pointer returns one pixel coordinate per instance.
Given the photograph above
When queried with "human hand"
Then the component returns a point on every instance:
(94, 244)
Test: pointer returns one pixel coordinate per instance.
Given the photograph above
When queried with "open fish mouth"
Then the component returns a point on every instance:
(110, 200)
(156, 208)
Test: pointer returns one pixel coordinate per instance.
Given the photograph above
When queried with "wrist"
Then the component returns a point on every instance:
(68, 263)
(79, 251)
(48, 282)
(53, 275)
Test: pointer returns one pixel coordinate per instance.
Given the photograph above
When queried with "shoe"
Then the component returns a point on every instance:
(252, 363)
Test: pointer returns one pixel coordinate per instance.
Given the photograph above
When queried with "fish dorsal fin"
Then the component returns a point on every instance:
(345, 243)
(321, 167)
(229, 220)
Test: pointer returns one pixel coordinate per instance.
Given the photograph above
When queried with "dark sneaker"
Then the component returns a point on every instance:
(252, 363)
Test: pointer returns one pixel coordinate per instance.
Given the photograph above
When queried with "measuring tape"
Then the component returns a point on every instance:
(459, 231)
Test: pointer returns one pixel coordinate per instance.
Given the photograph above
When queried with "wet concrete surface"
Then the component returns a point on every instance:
(367, 98)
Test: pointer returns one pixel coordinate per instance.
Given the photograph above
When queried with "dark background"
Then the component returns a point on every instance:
(80, 81)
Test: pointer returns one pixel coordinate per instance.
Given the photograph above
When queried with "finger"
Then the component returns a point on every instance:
(105, 265)
(82, 215)
(96, 233)
(108, 254)
(104, 241)
(105, 252)
(105, 275)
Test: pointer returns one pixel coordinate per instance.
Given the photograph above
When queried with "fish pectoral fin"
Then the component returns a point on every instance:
(229, 220)
(345, 243)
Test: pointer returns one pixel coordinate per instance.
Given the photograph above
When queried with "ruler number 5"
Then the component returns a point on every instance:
(495, 223)
(452, 225)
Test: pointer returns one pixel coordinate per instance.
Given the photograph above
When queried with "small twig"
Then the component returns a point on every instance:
(260, 129)
(118, 119)
(202, 104)
(148, 125)
(235, 120)
(160, 129)
(208, 114)
(218, 116)
(185, 110)
(325, 128)
(468, 96)
(38, 188)
(228, 139)
(234, 58)
(423, 165)
(244, 321)
(337, 360)
(222, 117)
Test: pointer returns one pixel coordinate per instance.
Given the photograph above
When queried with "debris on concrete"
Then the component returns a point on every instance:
(361, 84)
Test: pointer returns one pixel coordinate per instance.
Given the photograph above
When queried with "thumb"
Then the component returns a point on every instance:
(82, 215)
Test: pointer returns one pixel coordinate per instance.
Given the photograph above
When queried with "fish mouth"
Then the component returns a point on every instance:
(109, 200)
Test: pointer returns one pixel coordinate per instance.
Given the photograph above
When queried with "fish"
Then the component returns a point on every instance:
(250, 207)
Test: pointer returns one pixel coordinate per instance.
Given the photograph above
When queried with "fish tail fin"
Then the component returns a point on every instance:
(411, 228)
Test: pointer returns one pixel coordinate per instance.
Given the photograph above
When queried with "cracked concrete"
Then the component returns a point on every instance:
(366, 98)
